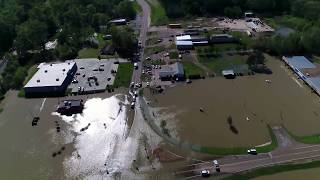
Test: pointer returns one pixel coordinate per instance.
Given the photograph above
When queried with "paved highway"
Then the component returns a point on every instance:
(288, 151)
(144, 26)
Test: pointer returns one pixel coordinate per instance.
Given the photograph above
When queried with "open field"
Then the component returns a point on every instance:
(124, 73)
(293, 171)
(218, 63)
(310, 174)
(92, 52)
(249, 101)
(192, 69)
(158, 13)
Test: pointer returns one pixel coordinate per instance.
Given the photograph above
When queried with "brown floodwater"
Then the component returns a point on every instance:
(310, 174)
(236, 112)
(26, 151)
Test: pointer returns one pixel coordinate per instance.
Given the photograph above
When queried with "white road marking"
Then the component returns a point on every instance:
(42, 105)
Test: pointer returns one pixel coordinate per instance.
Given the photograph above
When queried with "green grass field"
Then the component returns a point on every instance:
(124, 74)
(31, 71)
(312, 139)
(158, 13)
(218, 63)
(151, 50)
(191, 69)
(92, 52)
(273, 170)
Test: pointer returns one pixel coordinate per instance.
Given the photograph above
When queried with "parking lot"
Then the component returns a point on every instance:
(93, 75)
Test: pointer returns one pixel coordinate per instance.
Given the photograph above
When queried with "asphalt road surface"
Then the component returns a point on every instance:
(288, 151)
(145, 23)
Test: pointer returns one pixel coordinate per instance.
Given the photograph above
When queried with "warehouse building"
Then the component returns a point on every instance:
(305, 70)
(172, 72)
(51, 79)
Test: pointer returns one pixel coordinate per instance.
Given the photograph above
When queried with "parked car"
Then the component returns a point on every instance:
(148, 84)
(205, 173)
(252, 151)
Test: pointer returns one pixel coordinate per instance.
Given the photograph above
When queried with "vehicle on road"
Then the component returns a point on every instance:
(148, 84)
(216, 165)
(132, 84)
(252, 151)
(205, 173)
(135, 65)
(132, 105)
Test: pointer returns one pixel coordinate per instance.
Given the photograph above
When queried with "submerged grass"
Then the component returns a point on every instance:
(242, 150)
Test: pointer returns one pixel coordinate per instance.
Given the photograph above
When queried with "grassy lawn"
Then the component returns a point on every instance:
(191, 69)
(158, 62)
(218, 63)
(273, 170)
(242, 150)
(158, 13)
(93, 52)
(151, 50)
(32, 70)
(152, 41)
(1, 110)
(312, 139)
(174, 55)
(124, 74)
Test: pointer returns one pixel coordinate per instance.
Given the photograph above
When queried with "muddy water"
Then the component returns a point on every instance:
(26, 151)
(310, 174)
(250, 103)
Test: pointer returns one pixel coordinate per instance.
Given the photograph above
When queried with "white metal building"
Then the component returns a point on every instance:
(51, 79)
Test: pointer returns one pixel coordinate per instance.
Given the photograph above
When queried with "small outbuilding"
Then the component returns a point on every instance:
(229, 74)
(222, 38)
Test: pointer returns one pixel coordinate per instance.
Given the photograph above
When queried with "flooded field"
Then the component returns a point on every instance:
(310, 174)
(90, 145)
(231, 113)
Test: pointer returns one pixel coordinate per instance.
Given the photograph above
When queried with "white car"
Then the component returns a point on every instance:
(205, 173)
(133, 104)
(215, 163)
(252, 151)
(148, 84)
(132, 84)
(148, 58)
(143, 71)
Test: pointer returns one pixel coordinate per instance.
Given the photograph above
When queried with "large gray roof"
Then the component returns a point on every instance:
(49, 75)
(300, 62)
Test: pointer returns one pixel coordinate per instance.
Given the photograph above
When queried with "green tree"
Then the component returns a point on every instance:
(125, 9)
(124, 41)
(255, 59)
(233, 12)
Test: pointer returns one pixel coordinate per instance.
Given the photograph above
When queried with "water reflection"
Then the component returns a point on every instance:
(100, 138)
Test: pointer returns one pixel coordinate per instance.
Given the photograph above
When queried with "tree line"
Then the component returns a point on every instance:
(25, 27)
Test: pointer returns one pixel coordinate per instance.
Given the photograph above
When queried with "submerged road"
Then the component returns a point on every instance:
(288, 151)
(144, 26)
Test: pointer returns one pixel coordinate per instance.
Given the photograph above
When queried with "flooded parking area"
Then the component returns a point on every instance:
(89, 145)
(232, 113)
